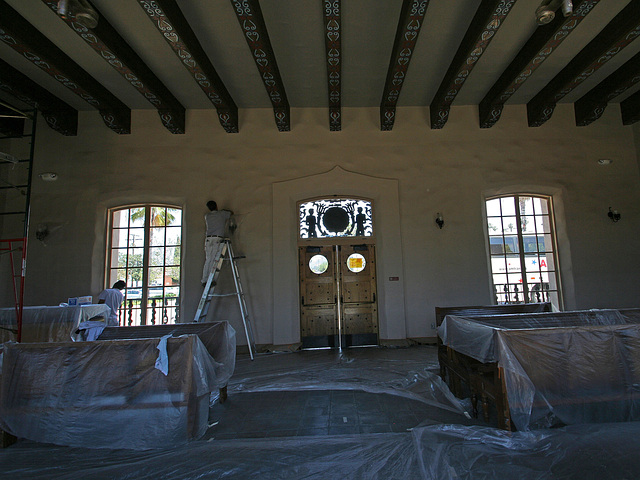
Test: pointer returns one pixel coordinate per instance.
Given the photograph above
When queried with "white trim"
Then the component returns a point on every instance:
(384, 193)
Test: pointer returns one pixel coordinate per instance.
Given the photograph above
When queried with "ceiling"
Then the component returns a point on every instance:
(283, 54)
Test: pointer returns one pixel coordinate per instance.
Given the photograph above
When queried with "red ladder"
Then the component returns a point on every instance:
(13, 247)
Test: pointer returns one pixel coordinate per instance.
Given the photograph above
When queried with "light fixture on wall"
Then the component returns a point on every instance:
(5, 157)
(48, 176)
(604, 161)
(613, 215)
(439, 220)
(546, 12)
(42, 232)
(80, 10)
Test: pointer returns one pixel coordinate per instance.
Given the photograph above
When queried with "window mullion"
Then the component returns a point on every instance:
(145, 265)
(521, 256)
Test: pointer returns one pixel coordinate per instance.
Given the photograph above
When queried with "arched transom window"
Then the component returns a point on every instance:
(335, 217)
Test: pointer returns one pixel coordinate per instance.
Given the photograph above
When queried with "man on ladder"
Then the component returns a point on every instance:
(218, 223)
(218, 248)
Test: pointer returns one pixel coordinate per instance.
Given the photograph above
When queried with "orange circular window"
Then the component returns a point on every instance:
(356, 262)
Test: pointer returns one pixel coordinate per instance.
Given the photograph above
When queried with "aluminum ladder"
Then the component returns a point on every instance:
(225, 254)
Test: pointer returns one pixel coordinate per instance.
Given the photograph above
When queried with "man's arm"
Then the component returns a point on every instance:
(230, 225)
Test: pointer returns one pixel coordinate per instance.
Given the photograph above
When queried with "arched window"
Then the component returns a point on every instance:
(335, 217)
(145, 251)
(522, 251)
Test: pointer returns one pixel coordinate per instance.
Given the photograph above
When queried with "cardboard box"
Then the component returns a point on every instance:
(86, 300)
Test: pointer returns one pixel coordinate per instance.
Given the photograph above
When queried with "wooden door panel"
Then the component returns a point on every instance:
(359, 308)
(319, 297)
(357, 291)
(360, 319)
(319, 292)
(317, 321)
(318, 303)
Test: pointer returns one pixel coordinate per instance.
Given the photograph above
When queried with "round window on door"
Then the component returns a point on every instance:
(318, 264)
(356, 262)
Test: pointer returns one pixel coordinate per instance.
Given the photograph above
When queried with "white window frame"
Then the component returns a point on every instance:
(131, 312)
(554, 295)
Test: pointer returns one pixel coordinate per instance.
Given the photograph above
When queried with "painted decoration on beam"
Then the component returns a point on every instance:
(335, 217)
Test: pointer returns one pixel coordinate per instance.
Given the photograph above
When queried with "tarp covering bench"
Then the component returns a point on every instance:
(561, 367)
(109, 393)
(47, 323)
(219, 338)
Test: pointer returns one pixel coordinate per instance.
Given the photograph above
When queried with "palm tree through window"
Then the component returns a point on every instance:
(145, 251)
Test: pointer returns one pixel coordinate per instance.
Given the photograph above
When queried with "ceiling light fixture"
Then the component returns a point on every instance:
(605, 161)
(546, 12)
(80, 10)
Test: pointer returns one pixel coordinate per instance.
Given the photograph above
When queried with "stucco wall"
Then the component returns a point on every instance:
(449, 171)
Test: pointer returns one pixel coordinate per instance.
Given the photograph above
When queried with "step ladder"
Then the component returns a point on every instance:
(225, 254)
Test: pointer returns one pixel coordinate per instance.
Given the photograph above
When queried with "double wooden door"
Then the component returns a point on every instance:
(338, 296)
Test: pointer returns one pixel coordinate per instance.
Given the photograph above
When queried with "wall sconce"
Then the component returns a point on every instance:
(439, 220)
(42, 232)
(5, 157)
(613, 215)
(48, 176)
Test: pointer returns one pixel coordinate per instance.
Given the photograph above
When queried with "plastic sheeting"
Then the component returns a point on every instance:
(364, 369)
(47, 324)
(109, 393)
(219, 338)
(446, 452)
(576, 452)
(565, 367)
(580, 452)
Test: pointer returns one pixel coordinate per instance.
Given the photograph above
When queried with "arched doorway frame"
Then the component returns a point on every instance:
(390, 271)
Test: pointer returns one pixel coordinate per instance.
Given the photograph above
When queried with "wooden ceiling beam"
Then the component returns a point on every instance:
(108, 43)
(540, 45)
(409, 24)
(255, 33)
(485, 24)
(630, 109)
(620, 32)
(25, 39)
(333, 46)
(59, 115)
(172, 24)
(592, 105)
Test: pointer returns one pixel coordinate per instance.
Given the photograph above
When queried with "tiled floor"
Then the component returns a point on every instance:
(315, 393)
(312, 413)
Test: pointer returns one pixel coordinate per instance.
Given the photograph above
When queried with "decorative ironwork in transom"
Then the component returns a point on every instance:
(335, 217)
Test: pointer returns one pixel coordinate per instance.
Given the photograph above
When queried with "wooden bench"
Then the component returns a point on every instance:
(106, 394)
(217, 337)
(575, 366)
(455, 369)
(47, 323)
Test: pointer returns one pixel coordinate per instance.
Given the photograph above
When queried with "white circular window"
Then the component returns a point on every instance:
(318, 264)
(356, 262)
